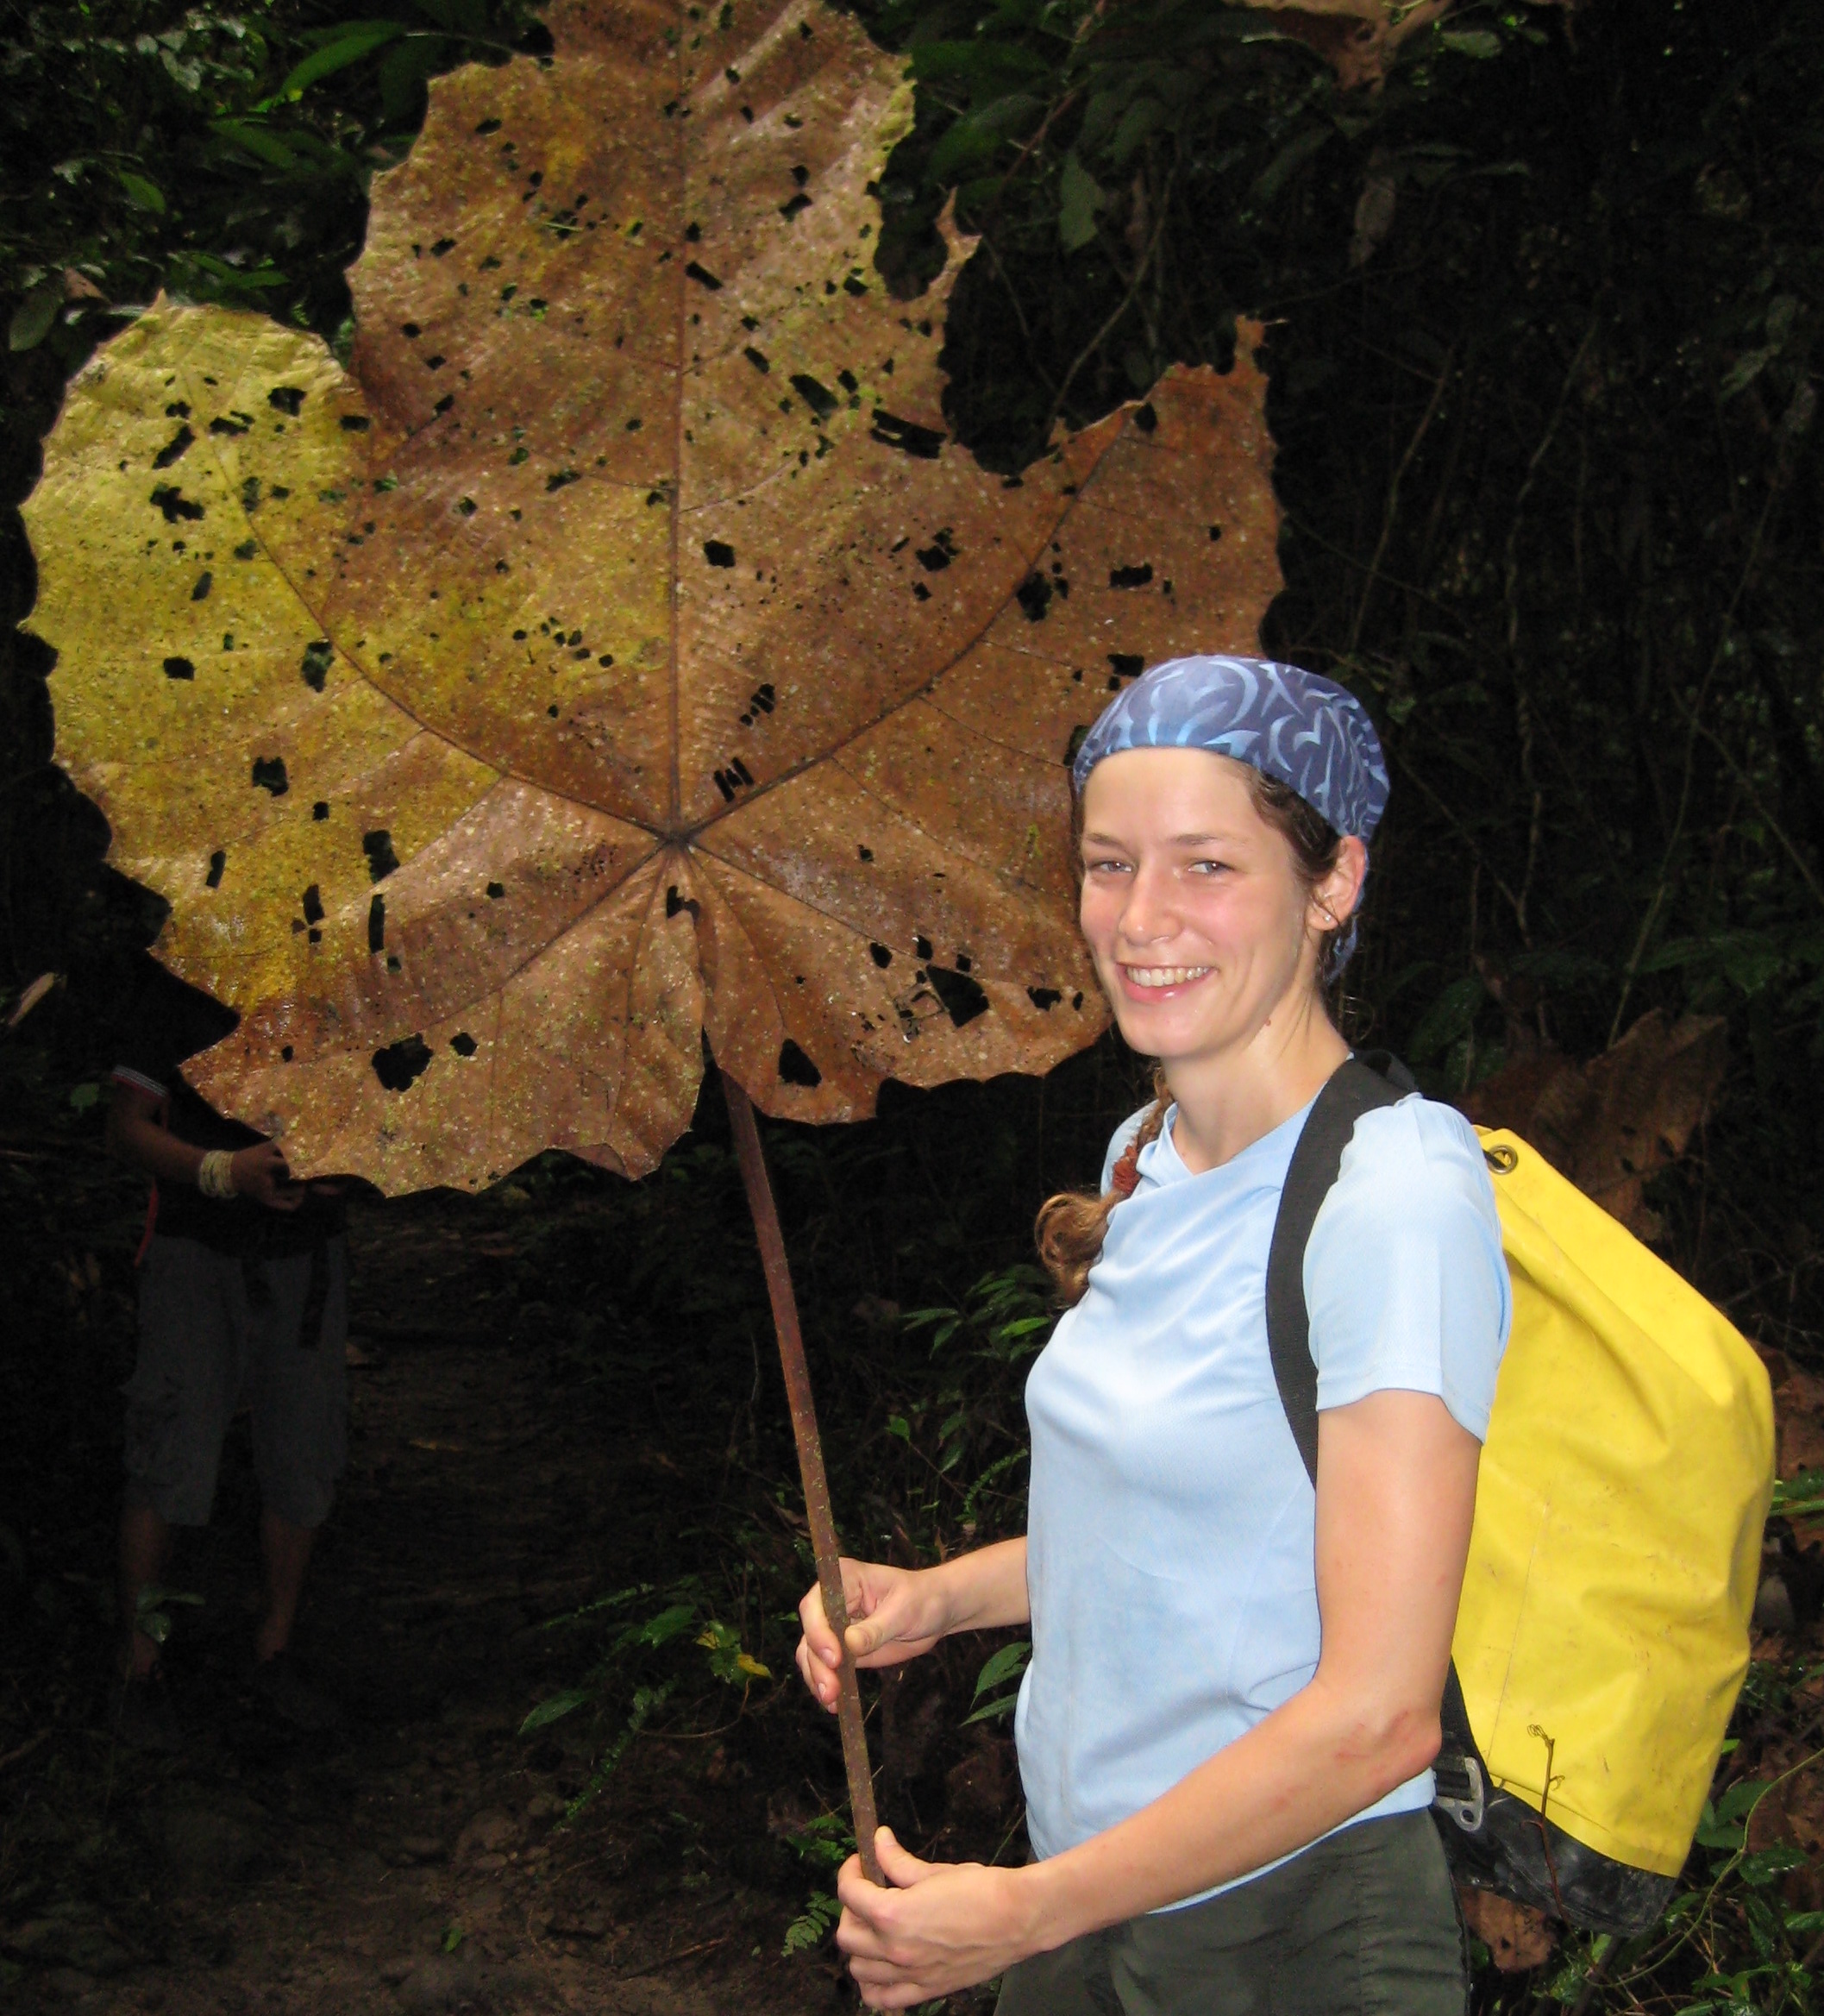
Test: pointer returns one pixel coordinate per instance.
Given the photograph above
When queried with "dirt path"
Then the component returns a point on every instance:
(412, 1862)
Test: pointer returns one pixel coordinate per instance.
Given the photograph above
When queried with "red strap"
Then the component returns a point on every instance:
(152, 1219)
(1125, 1174)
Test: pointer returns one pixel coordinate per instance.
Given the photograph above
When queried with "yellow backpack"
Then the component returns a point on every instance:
(1602, 1635)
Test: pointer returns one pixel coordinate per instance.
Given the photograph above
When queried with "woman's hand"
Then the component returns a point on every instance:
(260, 1172)
(942, 1926)
(894, 1614)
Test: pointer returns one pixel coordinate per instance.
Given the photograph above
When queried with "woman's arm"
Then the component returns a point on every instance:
(137, 1136)
(1396, 1492)
(896, 1613)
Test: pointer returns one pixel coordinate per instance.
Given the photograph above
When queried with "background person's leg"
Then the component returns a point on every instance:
(179, 1401)
(145, 1549)
(285, 1554)
(298, 1386)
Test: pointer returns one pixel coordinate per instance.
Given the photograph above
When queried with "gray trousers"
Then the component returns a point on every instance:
(1363, 1923)
(216, 1331)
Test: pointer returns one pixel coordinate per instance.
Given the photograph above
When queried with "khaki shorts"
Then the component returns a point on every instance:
(216, 1332)
(1364, 1923)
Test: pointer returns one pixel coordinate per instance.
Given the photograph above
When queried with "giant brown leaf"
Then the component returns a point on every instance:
(616, 649)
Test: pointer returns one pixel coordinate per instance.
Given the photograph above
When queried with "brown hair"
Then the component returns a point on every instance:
(1072, 1224)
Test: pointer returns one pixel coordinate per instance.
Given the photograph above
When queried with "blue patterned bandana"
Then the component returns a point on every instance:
(1307, 732)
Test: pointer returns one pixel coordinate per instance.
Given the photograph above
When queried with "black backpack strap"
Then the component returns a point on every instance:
(1492, 1839)
(1357, 1086)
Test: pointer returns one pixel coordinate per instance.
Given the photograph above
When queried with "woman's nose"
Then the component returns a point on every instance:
(1148, 914)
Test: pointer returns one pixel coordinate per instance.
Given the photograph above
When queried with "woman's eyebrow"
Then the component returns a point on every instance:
(1175, 840)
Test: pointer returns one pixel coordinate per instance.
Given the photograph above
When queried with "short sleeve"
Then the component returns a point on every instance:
(1404, 1274)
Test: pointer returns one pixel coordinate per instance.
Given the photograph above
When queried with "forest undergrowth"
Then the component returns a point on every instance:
(1543, 315)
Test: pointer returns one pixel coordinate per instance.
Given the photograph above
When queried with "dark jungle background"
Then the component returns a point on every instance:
(1542, 314)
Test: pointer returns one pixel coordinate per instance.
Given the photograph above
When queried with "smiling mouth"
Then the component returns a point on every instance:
(1163, 976)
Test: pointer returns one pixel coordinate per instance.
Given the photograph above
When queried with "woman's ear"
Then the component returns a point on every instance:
(1335, 898)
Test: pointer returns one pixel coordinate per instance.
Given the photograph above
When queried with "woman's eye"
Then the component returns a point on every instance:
(1105, 867)
(1208, 867)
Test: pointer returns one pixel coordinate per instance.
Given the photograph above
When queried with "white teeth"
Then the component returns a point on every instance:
(1164, 976)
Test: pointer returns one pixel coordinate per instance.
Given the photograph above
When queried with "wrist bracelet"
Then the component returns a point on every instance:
(216, 1175)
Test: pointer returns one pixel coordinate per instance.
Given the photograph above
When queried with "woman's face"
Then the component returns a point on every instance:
(1195, 912)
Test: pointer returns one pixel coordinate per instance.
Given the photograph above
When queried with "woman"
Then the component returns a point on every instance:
(1226, 1728)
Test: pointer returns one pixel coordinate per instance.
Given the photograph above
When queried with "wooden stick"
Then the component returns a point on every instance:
(772, 1243)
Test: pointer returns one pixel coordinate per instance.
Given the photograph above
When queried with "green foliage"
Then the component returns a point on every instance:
(823, 1845)
(152, 1610)
(640, 1665)
(1006, 1664)
(813, 1925)
(194, 149)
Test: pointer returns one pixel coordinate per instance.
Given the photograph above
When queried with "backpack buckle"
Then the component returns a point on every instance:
(1459, 1790)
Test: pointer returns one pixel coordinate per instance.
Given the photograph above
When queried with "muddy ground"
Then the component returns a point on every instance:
(420, 1860)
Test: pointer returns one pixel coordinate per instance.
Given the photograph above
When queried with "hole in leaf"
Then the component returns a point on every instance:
(821, 400)
(963, 998)
(496, 890)
(399, 1063)
(321, 809)
(317, 659)
(313, 905)
(795, 1068)
(177, 668)
(287, 398)
(1145, 418)
(703, 276)
(922, 946)
(217, 862)
(881, 955)
(907, 436)
(173, 449)
(463, 1044)
(1130, 577)
(1043, 998)
(1034, 596)
(793, 205)
(269, 774)
(205, 581)
(1126, 664)
(382, 858)
(171, 499)
(718, 553)
(377, 924)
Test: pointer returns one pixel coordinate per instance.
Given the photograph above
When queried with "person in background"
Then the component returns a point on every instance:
(242, 1301)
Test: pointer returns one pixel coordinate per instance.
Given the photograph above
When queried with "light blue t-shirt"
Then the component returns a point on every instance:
(1171, 1535)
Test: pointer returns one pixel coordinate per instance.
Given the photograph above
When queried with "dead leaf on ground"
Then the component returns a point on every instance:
(617, 651)
(1516, 1935)
(1610, 1124)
